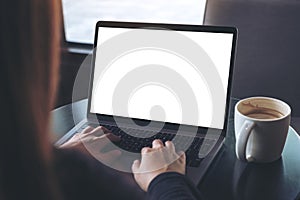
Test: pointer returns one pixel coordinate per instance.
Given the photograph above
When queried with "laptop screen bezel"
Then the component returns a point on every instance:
(176, 27)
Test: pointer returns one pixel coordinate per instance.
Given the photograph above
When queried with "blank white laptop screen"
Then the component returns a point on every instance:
(156, 101)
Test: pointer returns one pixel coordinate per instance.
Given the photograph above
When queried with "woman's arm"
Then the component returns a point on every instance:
(172, 186)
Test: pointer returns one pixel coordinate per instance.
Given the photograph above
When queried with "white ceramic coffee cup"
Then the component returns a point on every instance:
(261, 126)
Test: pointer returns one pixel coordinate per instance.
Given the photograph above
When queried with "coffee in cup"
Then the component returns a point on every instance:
(261, 126)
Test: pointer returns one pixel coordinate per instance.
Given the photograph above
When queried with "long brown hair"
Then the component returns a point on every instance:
(29, 59)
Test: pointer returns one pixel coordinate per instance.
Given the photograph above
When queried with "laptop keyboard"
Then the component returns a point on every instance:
(131, 143)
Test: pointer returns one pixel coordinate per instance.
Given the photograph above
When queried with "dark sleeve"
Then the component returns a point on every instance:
(172, 186)
(81, 177)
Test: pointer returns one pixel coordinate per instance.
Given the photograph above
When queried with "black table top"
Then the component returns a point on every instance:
(227, 177)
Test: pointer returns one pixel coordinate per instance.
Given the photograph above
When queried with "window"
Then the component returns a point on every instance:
(80, 16)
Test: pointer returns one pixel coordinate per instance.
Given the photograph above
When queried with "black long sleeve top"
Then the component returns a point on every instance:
(84, 178)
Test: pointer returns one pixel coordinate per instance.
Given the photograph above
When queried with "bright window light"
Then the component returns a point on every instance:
(80, 16)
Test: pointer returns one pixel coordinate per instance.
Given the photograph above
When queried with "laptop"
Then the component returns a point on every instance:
(162, 81)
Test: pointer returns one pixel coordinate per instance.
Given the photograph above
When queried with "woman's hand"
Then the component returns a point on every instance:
(95, 141)
(157, 160)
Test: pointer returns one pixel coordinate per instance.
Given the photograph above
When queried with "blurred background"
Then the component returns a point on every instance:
(268, 48)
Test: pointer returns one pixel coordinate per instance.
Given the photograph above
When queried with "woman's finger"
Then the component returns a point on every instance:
(157, 144)
(145, 150)
(104, 129)
(100, 130)
(103, 141)
(171, 154)
(87, 129)
(76, 136)
(170, 146)
(135, 166)
(182, 157)
(111, 137)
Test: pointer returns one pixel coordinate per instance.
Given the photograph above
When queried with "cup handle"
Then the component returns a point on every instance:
(242, 139)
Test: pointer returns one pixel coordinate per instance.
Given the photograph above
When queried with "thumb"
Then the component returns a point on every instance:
(182, 157)
(135, 166)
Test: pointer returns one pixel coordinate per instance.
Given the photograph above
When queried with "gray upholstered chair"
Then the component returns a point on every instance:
(268, 53)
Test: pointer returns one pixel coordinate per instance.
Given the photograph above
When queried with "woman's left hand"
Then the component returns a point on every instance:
(96, 142)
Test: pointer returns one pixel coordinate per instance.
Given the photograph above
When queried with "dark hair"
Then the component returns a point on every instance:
(29, 59)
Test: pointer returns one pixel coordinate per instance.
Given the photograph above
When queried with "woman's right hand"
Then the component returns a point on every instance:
(157, 160)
